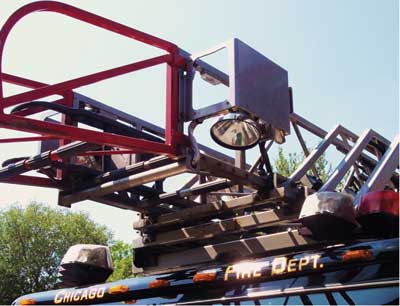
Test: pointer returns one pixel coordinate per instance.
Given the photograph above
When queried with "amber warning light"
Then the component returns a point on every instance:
(27, 302)
(205, 276)
(158, 283)
(357, 254)
(118, 289)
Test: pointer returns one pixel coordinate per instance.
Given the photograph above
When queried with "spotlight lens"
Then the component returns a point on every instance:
(233, 132)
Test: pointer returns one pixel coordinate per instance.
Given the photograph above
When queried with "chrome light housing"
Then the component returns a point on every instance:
(328, 215)
(236, 131)
(85, 264)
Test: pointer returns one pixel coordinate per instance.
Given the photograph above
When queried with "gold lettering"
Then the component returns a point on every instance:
(59, 297)
(246, 274)
(100, 292)
(92, 293)
(257, 272)
(66, 296)
(292, 265)
(303, 262)
(228, 271)
(278, 265)
(84, 295)
(76, 295)
(315, 259)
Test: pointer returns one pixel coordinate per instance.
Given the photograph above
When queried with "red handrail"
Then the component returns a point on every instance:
(174, 61)
(74, 12)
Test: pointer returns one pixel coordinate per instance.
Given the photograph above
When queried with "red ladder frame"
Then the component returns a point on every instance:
(18, 121)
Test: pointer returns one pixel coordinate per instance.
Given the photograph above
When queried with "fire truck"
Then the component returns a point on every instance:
(236, 232)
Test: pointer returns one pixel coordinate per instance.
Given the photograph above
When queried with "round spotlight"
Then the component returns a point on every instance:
(235, 131)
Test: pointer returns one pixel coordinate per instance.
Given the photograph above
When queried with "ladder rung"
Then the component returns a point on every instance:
(256, 220)
(212, 210)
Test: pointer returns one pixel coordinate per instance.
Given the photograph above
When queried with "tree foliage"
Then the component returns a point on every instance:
(122, 255)
(286, 165)
(33, 241)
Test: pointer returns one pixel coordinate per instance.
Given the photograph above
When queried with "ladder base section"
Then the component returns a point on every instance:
(227, 252)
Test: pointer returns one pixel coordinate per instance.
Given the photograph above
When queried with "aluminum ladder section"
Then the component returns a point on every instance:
(257, 224)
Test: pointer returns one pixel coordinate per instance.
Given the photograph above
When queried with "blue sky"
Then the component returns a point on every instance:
(342, 59)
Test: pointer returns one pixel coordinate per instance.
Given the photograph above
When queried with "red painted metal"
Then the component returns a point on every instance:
(172, 111)
(71, 11)
(74, 133)
(82, 81)
(173, 134)
(17, 80)
(27, 139)
(20, 81)
(106, 152)
(33, 181)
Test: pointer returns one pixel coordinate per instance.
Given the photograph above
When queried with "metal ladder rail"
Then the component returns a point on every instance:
(316, 153)
(341, 170)
(341, 145)
(331, 138)
(383, 171)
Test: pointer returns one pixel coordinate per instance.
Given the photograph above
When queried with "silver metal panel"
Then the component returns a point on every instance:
(256, 84)
(259, 85)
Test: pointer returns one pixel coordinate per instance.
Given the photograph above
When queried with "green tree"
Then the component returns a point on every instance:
(33, 241)
(122, 255)
(286, 165)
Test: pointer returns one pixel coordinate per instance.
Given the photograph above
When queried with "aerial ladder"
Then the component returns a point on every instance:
(231, 208)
